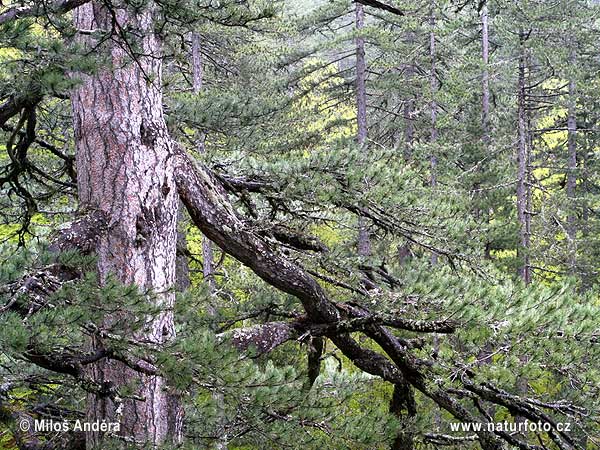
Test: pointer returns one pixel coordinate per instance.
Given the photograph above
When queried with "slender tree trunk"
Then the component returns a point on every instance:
(207, 248)
(433, 81)
(434, 86)
(572, 164)
(198, 76)
(364, 242)
(523, 191)
(409, 107)
(407, 141)
(125, 169)
(485, 97)
(485, 78)
(523, 185)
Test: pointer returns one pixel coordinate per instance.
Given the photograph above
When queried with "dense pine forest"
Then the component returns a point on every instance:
(299, 224)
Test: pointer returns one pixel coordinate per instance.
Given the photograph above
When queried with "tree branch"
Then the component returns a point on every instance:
(40, 8)
(379, 5)
(212, 213)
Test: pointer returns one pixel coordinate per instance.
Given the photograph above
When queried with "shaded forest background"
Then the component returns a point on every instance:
(431, 166)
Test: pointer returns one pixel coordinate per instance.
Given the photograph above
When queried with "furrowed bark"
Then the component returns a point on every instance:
(125, 169)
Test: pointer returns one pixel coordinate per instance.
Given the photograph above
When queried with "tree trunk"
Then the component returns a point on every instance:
(409, 106)
(485, 99)
(572, 164)
(523, 213)
(523, 192)
(125, 169)
(485, 78)
(364, 244)
(434, 86)
(208, 270)
(207, 249)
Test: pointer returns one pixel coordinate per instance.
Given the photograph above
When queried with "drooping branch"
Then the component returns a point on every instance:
(70, 364)
(215, 217)
(40, 8)
(316, 346)
(381, 219)
(361, 323)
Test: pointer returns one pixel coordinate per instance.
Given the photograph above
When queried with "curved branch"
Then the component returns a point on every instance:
(213, 214)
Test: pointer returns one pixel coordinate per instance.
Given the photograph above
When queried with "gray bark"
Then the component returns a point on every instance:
(125, 169)
(485, 78)
(523, 191)
(364, 242)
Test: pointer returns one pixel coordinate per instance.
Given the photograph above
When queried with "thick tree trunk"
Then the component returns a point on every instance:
(124, 167)
(523, 213)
